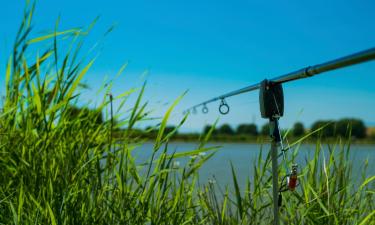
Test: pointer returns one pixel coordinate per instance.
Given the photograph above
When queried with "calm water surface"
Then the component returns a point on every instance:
(243, 155)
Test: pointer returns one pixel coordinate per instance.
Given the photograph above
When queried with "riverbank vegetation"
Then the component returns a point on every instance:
(58, 166)
(360, 134)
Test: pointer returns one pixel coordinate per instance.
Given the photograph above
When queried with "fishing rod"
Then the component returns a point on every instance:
(271, 104)
(309, 71)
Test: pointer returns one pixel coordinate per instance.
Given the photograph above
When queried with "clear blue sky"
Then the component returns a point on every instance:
(212, 47)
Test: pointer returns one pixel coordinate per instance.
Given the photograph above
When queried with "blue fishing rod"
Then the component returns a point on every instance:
(271, 104)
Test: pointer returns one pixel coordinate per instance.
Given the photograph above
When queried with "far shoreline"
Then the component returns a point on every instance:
(361, 142)
(194, 138)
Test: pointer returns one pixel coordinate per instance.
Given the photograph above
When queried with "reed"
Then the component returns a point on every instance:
(59, 167)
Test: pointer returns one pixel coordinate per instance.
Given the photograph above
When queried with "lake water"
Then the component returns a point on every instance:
(242, 155)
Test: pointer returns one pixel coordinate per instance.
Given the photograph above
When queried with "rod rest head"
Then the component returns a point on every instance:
(271, 100)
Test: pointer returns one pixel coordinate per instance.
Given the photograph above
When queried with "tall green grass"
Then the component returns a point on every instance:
(328, 193)
(61, 168)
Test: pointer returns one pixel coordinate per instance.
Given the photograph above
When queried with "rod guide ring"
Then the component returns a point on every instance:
(224, 107)
(204, 109)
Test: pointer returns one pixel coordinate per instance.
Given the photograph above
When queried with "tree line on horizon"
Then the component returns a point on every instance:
(332, 128)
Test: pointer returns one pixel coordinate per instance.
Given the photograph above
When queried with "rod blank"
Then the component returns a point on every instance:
(309, 71)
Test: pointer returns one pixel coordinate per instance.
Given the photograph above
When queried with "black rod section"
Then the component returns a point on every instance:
(359, 57)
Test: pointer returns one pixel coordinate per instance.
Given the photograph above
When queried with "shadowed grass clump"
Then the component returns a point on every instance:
(61, 165)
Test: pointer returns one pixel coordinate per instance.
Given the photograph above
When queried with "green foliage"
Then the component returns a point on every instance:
(356, 126)
(344, 128)
(62, 165)
(328, 131)
(328, 193)
(207, 129)
(247, 129)
(170, 129)
(225, 129)
(73, 113)
(298, 129)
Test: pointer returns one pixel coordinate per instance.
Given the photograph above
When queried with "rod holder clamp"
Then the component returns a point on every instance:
(271, 100)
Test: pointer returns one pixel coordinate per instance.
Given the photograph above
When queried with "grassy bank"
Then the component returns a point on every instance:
(56, 169)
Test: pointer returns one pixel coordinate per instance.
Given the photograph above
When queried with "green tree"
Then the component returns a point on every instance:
(358, 128)
(248, 129)
(298, 129)
(328, 130)
(226, 129)
(207, 128)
